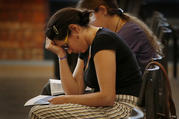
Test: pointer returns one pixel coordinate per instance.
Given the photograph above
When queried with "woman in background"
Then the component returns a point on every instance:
(105, 64)
(133, 31)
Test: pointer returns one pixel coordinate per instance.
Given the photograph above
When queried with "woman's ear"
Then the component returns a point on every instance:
(74, 28)
(103, 10)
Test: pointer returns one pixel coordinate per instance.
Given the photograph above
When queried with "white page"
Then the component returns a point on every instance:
(40, 99)
(56, 87)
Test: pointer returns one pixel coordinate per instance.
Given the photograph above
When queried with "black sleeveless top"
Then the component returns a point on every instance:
(128, 75)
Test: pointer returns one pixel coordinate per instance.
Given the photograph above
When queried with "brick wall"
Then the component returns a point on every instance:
(22, 25)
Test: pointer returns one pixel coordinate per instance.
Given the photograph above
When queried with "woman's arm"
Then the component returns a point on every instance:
(71, 85)
(105, 65)
(78, 74)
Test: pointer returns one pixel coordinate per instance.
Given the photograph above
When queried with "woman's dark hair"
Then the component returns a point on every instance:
(57, 26)
(111, 6)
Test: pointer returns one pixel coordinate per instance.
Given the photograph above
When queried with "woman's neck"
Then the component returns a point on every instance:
(115, 23)
(91, 33)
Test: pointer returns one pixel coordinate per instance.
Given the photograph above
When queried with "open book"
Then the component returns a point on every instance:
(38, 100)
(56, 89)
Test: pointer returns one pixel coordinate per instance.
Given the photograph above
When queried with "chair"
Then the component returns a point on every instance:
(175, 36)
(137, 113)
(156, 18)
(165, 31)
(158, 58)
(164, 37)
(161, 25)
(155, 97)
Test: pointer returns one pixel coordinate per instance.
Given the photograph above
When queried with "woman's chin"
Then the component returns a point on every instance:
(83, 51)
(76, 51)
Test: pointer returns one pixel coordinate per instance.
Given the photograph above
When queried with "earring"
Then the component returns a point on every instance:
(77, 37)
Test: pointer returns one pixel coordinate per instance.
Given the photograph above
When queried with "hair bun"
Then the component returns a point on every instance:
(84, 17)
(121, 10)
(85, 13)
(117, 11)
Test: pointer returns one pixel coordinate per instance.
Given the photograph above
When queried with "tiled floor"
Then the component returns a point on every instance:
(14, 93)
(22, 83)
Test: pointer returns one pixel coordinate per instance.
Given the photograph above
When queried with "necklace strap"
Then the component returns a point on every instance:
(120, 23)
(117, 24)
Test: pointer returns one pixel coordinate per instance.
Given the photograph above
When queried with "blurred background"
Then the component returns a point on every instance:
(25, 66)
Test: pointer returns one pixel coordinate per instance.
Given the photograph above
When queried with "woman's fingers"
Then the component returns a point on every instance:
(50, 45)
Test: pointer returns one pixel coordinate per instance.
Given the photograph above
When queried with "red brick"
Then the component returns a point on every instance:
(22, 30)
(38, 17)
(3, 35)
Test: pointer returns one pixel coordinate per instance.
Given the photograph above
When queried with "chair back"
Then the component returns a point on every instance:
(165, 36)
(155, 96)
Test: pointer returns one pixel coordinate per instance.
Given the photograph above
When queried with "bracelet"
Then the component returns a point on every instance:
(62, 58)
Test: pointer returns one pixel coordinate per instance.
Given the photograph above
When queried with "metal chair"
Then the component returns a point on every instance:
(155, 97)
(156, 18)
(147, 86)
(165, 31)
(138, 113)
(164, 37)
